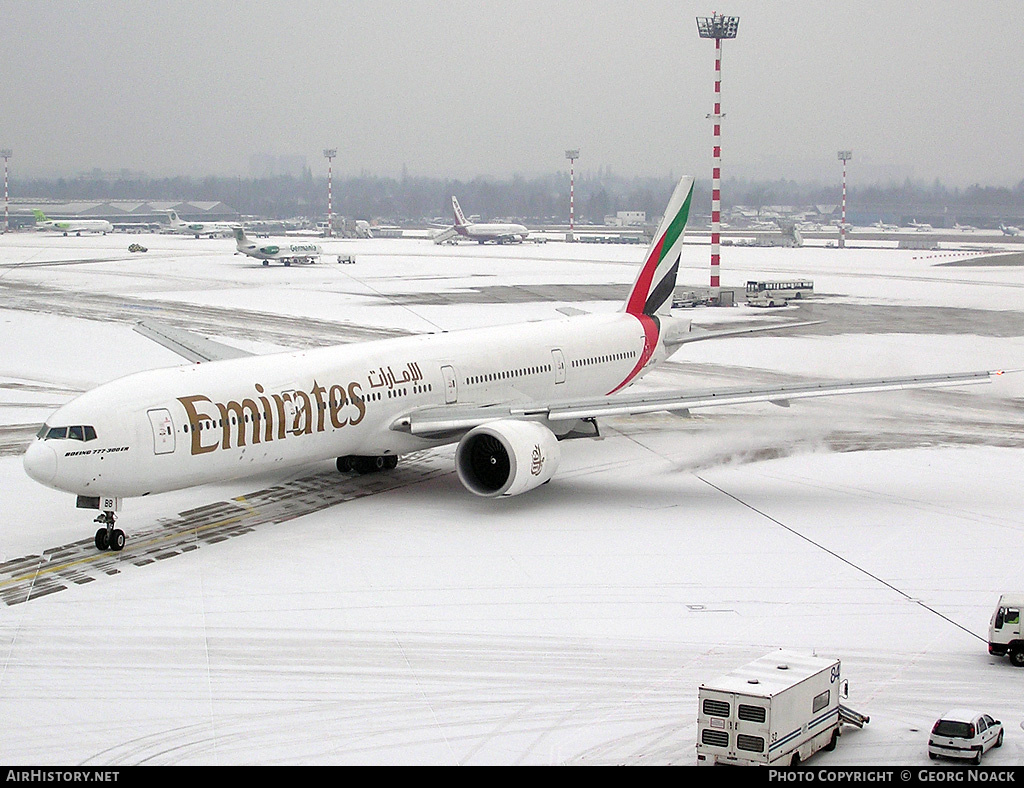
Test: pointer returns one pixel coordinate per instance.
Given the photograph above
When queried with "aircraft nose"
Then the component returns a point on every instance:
(40, 462)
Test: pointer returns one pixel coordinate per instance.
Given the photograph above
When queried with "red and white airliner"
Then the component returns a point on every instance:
(482, 233)
(505, 395)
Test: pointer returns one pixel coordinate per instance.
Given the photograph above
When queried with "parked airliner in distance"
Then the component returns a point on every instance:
(76, 226)
(198, 229)
(505, 395)
(285, 253)
(1010, 230)
(482, 233)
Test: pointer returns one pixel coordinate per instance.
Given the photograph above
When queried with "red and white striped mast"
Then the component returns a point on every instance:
(717, 27)
(329, 154)
(6, 153)
(572, 155)
(844, 156)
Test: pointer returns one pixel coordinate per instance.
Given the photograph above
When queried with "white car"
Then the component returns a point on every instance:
(964, 734)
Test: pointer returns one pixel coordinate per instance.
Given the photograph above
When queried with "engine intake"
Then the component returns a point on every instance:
(506, 458)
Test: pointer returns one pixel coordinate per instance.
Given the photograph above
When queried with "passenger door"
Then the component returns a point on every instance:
(163, 430)
(451, 385)
(558, 364)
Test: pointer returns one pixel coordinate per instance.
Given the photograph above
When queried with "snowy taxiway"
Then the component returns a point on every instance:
(313, 618)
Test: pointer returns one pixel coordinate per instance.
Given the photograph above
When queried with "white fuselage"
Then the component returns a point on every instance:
(199, 229)
(511, 233)
(76, 226)
(172, 428)
(273, 251)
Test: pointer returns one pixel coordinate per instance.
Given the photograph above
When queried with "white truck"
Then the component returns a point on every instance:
(779, 710)
(1004, 633)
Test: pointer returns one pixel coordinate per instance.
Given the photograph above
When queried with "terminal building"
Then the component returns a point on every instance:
(123, 214)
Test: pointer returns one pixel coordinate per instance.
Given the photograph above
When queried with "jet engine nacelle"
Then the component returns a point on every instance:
(506, 457)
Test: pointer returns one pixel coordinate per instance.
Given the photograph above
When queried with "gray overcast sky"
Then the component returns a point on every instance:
(454, 88)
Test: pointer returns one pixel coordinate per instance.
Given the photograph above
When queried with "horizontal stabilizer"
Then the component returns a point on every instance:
(691, 334)
(190, 346)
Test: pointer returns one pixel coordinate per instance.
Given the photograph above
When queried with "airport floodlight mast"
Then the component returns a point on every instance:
(572, 155)
(329, 154)
(6, 153)
(844, 156)
(717, 27)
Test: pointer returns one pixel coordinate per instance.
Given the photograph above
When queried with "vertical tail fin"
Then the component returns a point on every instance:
(652, 290)
(460, 219)
(40, 216)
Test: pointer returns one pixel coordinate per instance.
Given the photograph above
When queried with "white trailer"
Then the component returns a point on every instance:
(780, 709)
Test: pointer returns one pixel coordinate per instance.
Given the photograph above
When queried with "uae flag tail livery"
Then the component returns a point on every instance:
(650, 299)
(652, 291)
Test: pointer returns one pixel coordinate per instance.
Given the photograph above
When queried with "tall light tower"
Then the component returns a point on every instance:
(844, 156)
(6, 153)
(717, 27)
(329, 154)
(572, 155)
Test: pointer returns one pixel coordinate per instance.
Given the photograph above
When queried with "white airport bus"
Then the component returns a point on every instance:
(761, 293)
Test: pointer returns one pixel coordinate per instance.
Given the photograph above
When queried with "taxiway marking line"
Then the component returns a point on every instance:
(148, 543)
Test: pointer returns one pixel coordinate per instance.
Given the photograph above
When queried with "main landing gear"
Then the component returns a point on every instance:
(373, 464)
(108, 537)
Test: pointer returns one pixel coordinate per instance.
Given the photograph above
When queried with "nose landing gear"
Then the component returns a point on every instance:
(108, 537)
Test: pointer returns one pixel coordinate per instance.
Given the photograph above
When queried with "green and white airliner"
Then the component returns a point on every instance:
(285, 253)
(69, 226)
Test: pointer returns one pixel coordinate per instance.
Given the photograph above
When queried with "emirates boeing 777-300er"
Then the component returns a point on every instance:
(505, 395)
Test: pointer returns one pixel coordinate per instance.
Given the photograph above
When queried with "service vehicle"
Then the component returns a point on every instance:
(137, 248)
(1004, 635)
(761, 293)
(960, 733)
(778, 710)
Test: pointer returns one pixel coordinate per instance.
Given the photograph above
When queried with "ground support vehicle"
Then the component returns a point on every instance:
(777, 710)
(762, 293)
(1004, 632)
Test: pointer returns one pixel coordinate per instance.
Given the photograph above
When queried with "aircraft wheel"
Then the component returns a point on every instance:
(102, 540)
(287, 263)
(391, 462)
(344, 464)
(266, 262)
(366, 465)
(117, 540)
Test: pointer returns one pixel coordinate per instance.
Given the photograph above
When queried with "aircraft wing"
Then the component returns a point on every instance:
(187, 344)
(449, 419)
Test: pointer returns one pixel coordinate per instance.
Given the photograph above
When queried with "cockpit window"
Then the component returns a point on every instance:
(76, 433)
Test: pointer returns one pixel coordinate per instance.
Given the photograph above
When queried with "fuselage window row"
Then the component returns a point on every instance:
(586, 362)
(490, 377)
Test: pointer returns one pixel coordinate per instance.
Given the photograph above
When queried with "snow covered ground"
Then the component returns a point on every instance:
(310, 618)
